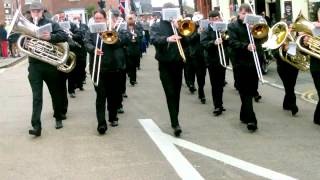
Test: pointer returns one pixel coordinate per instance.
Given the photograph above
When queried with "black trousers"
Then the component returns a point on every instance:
(171, 79)
(247, 84)
(72, 80)
(81, 71)
(107, 92)
(55, 80)
(316, 80)
(190, 71)
(132, 64)
(123, 87)
(201, 70)
(288, 75)
(217, 75)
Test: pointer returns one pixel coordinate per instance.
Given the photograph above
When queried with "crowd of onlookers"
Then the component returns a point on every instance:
(8, 45)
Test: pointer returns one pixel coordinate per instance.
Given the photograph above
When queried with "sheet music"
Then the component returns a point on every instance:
(219, 26)
(98, 27)
(65, 25)
(44, 29)
(252, 19)
(204, 23)
(170, 13)
(292, 48)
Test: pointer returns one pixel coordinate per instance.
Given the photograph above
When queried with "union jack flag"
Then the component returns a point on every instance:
(122, 6)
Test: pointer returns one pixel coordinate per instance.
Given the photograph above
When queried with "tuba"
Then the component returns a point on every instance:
(56, 55)
(301, 24)
(280, 35)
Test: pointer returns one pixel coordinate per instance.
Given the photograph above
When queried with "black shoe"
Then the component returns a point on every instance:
(120, 110)
(252, 126)
(132, 83)
(203, 100)
(124, 95)
(257, 98)
(81, 89)
(102, 128)
(218, 111)
(114, 123)
(192, 89)
(59, 124)
(63, 117)
(35, 132)
(72, 95)
(177, 131)
(294, 110)
(287, 108)
(225, 83)
(316, 122)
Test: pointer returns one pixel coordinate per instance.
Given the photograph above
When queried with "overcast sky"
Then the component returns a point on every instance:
(159, 3)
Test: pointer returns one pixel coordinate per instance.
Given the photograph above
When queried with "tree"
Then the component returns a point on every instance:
(90, 9)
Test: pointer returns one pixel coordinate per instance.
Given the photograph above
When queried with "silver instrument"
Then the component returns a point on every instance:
(56, 55)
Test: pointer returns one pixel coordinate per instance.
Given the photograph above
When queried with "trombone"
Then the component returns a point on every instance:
(259, 31)
(175, 32)
(222, 56)
(186, 28)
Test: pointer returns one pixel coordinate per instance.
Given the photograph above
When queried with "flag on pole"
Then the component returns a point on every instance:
(124, 7)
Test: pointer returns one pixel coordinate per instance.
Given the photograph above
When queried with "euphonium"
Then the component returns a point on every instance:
(301, 24)
(29, 44)
(280, 35)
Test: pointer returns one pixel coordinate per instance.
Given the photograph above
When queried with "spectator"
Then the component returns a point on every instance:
(4, 41)
(13, 44)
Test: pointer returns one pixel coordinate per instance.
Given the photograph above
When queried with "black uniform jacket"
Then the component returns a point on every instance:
(133, 48)
(57, 35)
(207, 40)
(113, 58)
(166, 52)
(239, 41)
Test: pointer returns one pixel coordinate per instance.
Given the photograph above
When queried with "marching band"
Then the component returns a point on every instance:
(182, 44)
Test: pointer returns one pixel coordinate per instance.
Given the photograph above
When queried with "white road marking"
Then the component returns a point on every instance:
(166, 143)
(181, 165)
(2, 70)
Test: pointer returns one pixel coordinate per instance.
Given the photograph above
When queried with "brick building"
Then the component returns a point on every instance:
(53, 6)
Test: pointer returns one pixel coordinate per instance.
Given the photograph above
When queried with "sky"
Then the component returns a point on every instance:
(159, 3)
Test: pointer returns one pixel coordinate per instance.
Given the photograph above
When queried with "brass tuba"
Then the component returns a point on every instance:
(280, 35)
(56, 55)
(260, 31)
(301, 24)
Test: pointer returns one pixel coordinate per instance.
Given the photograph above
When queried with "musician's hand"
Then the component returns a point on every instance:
(285, 47)
(251, 47)
(45, 36)
(218, 41)
(173, 38)
(317, 24)
(99, 52)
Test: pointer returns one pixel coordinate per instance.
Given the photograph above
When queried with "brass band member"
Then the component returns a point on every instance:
(112, 61)
(246, 73)
(170, 66)
(133, 49)
(75, 39)
(216, 71)
(288, 75)
(40, 71)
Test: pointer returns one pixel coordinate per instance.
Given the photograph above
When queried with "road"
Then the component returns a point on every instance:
(137, 149)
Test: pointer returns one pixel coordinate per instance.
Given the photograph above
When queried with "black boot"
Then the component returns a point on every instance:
(177, 131)
(252, 126)
(35, 131)
(102, 128)
(59, 124)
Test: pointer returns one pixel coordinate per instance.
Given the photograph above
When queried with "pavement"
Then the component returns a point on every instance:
(142, 146)
(10, 61)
